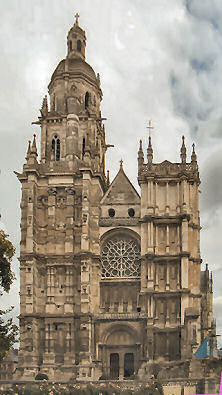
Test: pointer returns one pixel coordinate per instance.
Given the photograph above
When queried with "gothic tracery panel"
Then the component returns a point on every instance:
(121, 258)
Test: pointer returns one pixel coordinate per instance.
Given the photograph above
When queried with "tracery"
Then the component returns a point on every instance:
(121, 258)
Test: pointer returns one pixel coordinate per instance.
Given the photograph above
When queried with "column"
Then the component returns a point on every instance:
(167, 276)
(167, 198)
(167, 239)
(178, 198)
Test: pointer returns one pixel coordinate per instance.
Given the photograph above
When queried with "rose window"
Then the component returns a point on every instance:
(121, 258)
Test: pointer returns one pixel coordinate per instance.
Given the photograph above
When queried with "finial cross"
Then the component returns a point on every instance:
(121, 164)
(150, 128)
(77, 18)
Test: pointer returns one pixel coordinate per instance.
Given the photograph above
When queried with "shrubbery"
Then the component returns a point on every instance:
(45, 388)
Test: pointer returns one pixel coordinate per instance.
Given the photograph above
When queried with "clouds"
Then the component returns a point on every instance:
(156, 60)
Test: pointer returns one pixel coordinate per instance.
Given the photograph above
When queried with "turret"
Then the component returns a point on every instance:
(183, 151)
(140, 157)
(150, 152)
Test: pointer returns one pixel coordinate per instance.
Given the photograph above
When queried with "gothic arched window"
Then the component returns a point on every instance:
(79, 45)
(56, 147)
(121, 257)
(87, 99)
(70, 45)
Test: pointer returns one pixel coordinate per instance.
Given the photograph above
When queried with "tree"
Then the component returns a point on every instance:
(7, 252)
(8, 330)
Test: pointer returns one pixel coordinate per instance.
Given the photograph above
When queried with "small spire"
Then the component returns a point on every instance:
(150, 152)
(193, 156)
(211, 282)
(34, 147)
(28, 150)
(121, 164)
(107, 179)
(77, 19)
(98, 79)
(140, 155)
(44, 109)
(183, 151)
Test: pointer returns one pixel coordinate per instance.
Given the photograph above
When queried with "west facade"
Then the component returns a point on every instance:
(111, 281)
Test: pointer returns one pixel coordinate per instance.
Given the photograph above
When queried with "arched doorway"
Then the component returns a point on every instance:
(120, 352)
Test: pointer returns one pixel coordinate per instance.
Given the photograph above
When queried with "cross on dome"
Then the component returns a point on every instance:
(77, 19)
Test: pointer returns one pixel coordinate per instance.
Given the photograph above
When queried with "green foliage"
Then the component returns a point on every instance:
(8, 330)
(46, 388)
(8, 333)
(7, 252)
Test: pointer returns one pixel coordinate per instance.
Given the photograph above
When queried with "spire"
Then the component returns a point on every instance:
(183, 151)
(34, 147)
(107, 179)
(44, 109)
(150, 152)
(77, 19)
(194, 156)
(28, 150)
(98, 79)
(140, 156)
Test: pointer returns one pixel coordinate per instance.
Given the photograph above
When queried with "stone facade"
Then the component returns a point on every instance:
(110, 281)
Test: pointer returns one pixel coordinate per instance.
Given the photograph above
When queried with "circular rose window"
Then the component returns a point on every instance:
(121, 258)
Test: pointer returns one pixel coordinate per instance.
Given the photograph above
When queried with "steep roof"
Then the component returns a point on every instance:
(120, 191)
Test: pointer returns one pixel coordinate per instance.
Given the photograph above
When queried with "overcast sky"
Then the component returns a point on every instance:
(157, 59)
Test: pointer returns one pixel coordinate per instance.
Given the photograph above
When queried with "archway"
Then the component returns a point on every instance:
(120, 352)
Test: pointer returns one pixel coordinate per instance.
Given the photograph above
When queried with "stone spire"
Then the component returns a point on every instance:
(140, 154)
(28, 150)
(44, 109)
(150, 152)
(34, 147)
(194, 156)
(108, 179)
(183, 151)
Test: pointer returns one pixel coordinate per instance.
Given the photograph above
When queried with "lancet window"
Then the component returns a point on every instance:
(56, 147)
(79, 45)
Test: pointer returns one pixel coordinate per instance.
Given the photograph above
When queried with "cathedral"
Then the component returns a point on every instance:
(111, 280)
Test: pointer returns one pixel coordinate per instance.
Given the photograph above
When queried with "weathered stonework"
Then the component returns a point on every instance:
(110, 281)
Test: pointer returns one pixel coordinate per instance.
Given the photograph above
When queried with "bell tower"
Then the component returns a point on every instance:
(170, 252)
(59, 250)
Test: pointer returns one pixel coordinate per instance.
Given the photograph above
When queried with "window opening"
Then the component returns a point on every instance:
(70, 45)
(56, 148)
(131, 212)
(111, 212)
(79, 45)
(83, 146)
(87, 100)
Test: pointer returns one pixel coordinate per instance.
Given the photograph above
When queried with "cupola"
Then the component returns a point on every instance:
(76, 41)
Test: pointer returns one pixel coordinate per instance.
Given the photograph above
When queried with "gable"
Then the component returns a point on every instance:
(121, 191)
